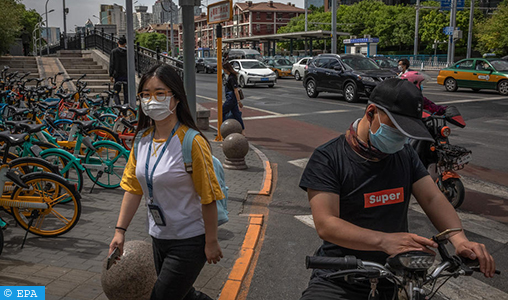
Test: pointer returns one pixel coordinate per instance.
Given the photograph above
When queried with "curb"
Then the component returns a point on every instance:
(266, 188)
(231, 288)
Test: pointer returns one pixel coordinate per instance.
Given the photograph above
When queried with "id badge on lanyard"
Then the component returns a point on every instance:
(154, 209)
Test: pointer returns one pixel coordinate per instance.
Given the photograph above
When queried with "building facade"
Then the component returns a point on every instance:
(166, 30)
(52, 35)
(165, 11)
(114, 15)
(141, 18)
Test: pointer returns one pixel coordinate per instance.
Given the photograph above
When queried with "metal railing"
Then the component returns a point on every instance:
(144, 58)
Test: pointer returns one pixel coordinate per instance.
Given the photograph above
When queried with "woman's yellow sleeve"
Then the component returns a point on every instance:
(203, 175)
(129, 181)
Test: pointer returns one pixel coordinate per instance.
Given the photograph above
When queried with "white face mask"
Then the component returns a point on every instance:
(156, 110)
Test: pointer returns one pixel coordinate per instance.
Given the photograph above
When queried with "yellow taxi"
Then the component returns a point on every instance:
(477, 74)
(281, 66)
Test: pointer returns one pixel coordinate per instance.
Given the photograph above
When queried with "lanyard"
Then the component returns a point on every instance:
(149, 178)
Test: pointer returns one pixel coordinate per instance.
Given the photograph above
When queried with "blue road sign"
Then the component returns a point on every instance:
(448, 30)
(447, 4)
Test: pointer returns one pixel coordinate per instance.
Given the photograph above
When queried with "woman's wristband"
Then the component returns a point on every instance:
(121, 228)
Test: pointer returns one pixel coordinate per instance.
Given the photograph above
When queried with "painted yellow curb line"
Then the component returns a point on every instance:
(232, 286)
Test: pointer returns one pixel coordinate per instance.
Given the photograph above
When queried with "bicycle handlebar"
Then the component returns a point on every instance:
(334, 263)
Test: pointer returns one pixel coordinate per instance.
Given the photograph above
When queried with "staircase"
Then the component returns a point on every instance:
(76, 65)
(22, 64)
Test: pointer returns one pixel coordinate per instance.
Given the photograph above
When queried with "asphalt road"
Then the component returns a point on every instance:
(287, 125)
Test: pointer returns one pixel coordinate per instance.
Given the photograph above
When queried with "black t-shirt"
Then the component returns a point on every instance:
(231, 83)
(373, 195)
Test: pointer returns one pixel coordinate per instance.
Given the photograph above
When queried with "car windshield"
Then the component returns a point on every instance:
(387, 63)
(253, 56)
(283, 62)
(253, 65)
(211, 60)
(499, 65)
(360, 63)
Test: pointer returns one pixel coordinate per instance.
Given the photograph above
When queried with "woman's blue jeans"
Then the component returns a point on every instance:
(230, 106)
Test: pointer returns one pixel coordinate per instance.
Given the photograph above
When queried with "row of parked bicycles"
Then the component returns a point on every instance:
(50, 137)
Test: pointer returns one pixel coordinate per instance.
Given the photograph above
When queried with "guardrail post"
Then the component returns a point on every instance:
(102, 35)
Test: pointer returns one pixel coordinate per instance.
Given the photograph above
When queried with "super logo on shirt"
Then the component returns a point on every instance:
(385, 197)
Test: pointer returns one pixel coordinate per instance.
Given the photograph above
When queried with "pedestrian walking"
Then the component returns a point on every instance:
(118, 70)
(403, 66)
(182, 213)
(25, 40)
(359, 186)
(232, 105)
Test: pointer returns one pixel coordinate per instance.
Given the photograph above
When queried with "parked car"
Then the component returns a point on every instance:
(253, 72)
(352, 75)
(207, 65)
(244, 54)
(298, 69)
(281, 66)
(477, 74)
(386, 63)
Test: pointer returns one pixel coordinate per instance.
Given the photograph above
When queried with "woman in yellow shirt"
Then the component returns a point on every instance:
(182, 214)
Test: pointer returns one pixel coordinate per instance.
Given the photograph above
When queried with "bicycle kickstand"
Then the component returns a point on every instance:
(99, 175)
(34, 215)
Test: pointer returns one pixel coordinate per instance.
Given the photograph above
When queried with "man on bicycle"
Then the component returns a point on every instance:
(359, 186)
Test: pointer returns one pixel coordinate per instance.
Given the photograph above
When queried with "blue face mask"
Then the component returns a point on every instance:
(387, 139)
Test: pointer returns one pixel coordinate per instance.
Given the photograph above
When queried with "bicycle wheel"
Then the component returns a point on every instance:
(52, 190)
(108, 163)
(108, 120)
(60, 129)
(102, 134)
(128, 138)
(72, 173)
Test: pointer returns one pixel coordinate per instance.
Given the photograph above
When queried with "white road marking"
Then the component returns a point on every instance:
(250, 107)
(485, 187)
(302, 162)
(474, 100)
(466, 287)
(498, 121)
(307, 220)
(292, 115)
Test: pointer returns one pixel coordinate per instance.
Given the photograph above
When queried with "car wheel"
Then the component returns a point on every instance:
(350, 93)
(475, 90)
(311, 88)
(197, 70)
(502, 87)
(242, 82)
(297, 76)
(450, 84)
(271, 85)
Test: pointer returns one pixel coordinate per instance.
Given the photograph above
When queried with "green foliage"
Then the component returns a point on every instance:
(393, 24)
(492, 33)
(151, 40)
(10, 26)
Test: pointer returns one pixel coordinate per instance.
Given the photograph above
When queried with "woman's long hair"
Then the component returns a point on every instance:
(228, 67)
(172, 80)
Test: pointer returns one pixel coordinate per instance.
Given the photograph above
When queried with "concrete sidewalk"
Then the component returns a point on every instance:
(70, 266)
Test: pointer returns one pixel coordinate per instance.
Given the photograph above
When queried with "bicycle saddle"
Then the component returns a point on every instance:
(64, 96)
(18, 110)
(79, 111)
(85, 124)
(97, 101)
(123, 108)
(13, 139)
(32, 128)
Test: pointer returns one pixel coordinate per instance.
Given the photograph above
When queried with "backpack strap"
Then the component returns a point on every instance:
(187, 148)
(137, 138)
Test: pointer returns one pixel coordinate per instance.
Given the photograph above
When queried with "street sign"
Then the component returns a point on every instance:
(220, 12)
(448, 30)
(447, 4)
(361, 40)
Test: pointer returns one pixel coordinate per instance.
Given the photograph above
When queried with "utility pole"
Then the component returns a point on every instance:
(47, 27)
(417, 23)
(189, 64)
(334, 26)
(305, 4)
(470, 32)
(65, 25)
(131, 69)
(451, 45)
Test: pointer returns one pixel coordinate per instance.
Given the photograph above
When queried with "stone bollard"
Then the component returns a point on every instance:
(133, 276)
(235, 147)
(230, 126)
(202, 117)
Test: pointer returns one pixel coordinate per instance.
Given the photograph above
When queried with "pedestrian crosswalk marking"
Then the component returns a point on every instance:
(293, 115)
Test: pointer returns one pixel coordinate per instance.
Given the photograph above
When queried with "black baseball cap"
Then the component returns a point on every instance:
(402, 101)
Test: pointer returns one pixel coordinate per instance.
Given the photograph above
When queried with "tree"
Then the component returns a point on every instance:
(151, 40)
(492, 33)
(10, 27)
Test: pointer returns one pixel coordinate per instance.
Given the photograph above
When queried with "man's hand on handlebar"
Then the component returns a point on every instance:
(394, 243)
(473, 250)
